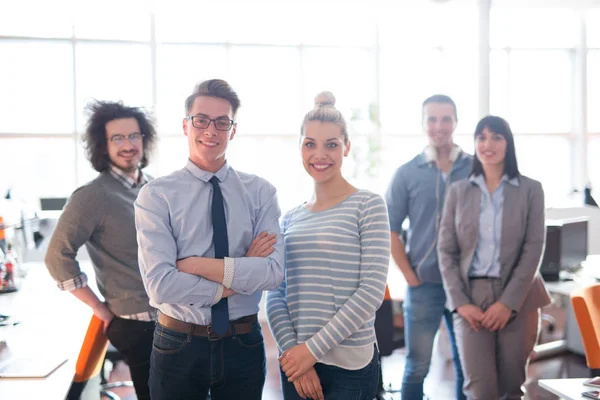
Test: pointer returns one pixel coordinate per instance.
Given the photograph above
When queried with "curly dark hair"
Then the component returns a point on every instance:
(94, 138)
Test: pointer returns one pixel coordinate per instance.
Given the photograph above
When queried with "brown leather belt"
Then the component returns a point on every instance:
(237, 327)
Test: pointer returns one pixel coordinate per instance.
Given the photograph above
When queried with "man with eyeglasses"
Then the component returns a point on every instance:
(209, 245)
(100, 215)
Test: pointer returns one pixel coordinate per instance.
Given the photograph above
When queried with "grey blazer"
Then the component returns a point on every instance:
(521, 248)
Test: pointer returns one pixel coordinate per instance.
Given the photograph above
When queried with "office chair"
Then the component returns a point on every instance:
(586, 305)
(91, 361)
(384, 331)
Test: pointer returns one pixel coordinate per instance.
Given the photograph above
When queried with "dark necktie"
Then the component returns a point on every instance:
(220, 311)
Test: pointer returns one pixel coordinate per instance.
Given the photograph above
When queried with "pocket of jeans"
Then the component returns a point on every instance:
(251, 340)
(168, 341)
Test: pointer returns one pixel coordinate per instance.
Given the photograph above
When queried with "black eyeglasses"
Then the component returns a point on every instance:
(202, 122)
(134, 138)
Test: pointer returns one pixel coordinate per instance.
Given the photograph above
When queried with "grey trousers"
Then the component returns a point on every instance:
(494, 363)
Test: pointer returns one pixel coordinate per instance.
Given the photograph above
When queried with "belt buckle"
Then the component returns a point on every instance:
(210, 333)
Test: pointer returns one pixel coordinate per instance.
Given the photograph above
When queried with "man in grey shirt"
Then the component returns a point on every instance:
(417, 192)
(100, 214)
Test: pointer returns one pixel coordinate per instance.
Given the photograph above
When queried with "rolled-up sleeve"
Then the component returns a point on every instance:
(158, 256)
(74, 228)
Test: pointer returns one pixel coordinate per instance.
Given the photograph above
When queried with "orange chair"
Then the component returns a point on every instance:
(91, 361)
(586, 305)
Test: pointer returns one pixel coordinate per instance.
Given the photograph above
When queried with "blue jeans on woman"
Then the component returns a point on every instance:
(424, 308)
(341, 384)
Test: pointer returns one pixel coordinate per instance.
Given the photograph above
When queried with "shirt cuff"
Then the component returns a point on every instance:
(80, 281)
(218, 295)
(314, 348)
(228, 272)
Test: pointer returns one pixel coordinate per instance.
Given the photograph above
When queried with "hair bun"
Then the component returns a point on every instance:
(325, 99)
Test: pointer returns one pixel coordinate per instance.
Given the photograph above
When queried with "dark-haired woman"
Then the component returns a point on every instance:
(490, 245)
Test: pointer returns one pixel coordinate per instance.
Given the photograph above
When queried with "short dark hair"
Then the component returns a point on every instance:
(439, 98)
(94, 137)
(498, 126)
(214, 88)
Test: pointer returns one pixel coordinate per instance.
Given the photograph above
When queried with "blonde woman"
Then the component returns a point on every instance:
(337, 255)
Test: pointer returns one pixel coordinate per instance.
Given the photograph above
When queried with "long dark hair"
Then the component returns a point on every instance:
(94, 138)
(499, 126)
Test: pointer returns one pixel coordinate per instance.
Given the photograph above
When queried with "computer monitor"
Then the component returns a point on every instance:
(587, 197)
(566, 246)
(52, 203)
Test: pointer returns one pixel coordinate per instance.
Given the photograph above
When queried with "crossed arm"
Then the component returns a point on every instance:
(214, 269)
(165, 279)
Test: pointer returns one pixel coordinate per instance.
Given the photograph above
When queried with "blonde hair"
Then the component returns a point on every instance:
(325, 111)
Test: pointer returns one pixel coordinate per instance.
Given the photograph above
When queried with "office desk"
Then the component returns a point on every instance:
(561, 292)
(51, 321)
(568, 389)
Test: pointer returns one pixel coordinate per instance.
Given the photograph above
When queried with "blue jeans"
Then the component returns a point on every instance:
(341, 384)
(186, 367)
(424, 308)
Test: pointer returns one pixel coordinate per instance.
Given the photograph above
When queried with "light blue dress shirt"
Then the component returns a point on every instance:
(486, 259)
(173, 221)
(417, 192)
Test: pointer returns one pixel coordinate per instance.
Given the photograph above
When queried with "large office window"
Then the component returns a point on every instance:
(593, 92)
(594, 166)
(593, 89)
(420, 59)
(531, 85)
(417, 60)
(381, 62)
(111, 71)
(36, 87)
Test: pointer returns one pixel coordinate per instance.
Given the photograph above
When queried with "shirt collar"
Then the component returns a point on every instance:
(125, 179)
(480, 180)
(205, 176)
(423, 160)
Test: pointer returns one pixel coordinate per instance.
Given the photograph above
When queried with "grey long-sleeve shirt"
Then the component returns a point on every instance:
(100, 215)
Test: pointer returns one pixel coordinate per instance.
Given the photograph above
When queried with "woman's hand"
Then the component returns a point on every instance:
(308, 386)
(496, 317)
(472, 314)
(296, 361)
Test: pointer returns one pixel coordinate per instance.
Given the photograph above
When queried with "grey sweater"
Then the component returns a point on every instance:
(100, 215)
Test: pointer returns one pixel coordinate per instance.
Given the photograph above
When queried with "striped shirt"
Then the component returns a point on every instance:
(336, 271)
